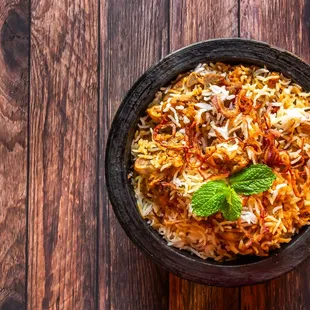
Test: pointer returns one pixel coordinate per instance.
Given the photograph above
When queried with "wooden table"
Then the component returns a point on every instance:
(64, 68)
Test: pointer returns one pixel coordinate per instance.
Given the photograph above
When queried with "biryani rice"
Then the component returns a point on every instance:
(207, 124)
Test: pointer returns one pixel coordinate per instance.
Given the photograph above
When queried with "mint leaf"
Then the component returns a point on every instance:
(232, 207)
(253, 180)
(219, 196)
(209, 198)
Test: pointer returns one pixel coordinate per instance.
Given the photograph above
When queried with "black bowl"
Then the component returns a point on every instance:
(248, 269)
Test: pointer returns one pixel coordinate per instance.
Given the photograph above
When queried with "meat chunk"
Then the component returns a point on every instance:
(233, 88)
(228, 161)
(144, 166)
(232, 236)
(212, 78)
(192, 80)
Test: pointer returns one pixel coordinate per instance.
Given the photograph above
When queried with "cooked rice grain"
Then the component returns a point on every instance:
(209, 123)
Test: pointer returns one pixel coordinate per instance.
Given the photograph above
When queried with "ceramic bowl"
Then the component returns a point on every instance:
(247, 269)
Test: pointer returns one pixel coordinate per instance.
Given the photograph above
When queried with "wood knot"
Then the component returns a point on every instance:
(14, 36)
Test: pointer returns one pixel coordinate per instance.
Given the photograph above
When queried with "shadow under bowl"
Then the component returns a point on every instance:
(246, 270)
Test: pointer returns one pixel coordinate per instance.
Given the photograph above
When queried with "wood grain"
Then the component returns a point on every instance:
(283, 23)
(14, 59)
(193, 21)
(189, 295)
(289, 292)
(63, 266)
(63, 155)
(134, 35)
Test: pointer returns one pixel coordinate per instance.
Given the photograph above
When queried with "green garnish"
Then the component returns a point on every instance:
(253, 180)
(222, 195)
(231, 209)
(209, 197)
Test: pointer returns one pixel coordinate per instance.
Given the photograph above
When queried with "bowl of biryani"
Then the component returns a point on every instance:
(208, 162)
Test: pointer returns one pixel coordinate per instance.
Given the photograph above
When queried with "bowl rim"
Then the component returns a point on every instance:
(150, 242)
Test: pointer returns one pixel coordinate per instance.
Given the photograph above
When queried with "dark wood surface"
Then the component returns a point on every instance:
(14, 91)
(63, 130)
(64, 68)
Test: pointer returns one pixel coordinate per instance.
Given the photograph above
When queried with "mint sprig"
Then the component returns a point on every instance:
(222, 195)
(209, 197)
(253, 180)
(231, 209)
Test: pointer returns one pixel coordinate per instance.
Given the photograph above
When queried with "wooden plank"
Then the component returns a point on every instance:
(195, 21)
(63, 155)
(290, 291)
(283, 23)
(14, 59)
(189, 295)
(133, 35)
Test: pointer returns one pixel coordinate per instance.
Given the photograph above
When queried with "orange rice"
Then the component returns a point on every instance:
(206, 125)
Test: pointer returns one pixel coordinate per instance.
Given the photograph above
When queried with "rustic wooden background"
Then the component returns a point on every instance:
(64, 67)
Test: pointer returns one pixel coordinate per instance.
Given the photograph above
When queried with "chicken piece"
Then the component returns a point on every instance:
(143, 166)
(161, 195)
(212, 78)
(233, 88)
(192, 80)
(155, 113)
(227, 161)
(157, 177)
(232, 236)
(239, 162)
